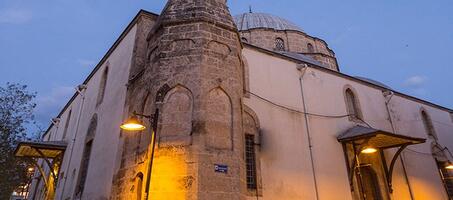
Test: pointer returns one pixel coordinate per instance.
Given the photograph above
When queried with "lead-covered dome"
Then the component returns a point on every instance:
(249, 21)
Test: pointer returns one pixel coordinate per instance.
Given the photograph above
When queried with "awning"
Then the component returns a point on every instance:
(40, 149)
(377, 138)
(369, 137)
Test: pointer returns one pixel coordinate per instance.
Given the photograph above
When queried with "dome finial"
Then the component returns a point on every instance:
(250, 9)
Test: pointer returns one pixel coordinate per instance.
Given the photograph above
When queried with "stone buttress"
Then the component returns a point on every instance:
(194, 76)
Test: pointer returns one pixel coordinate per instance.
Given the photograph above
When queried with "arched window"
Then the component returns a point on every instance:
(428, 124)
(66, 126)
(370, 183)
(139, 186)
(279, 44)
(91, 132)
(102, 86)
(244, 39)
(250, 160)
(352, 105)
(310, 48)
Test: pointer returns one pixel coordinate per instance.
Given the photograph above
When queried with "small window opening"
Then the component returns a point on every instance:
(244, 39)
(89, 138)
(139, 186)
(250, 159)
(279, 44)
(352, 105)
(84, 167)
(102, 86)
(310, 48)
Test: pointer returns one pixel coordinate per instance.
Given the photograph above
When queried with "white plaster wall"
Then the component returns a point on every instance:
(110, 116)
(286, 168)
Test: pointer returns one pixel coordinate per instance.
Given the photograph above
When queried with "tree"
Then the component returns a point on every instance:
(16, 112)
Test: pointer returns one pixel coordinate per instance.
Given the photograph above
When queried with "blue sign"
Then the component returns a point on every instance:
(221, 168)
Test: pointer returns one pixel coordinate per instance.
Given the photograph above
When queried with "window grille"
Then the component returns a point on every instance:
(84, 166)
(447, 178)
(279, 44)
(250, 160)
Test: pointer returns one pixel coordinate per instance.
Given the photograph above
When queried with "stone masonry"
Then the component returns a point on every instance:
(295, 41)
(193, 74)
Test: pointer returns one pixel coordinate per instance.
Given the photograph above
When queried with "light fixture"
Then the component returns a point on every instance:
(133, 124)
(31, 169)
(368, 150)
(449, 166)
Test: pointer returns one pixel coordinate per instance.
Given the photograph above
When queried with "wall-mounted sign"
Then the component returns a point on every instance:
(221, 168)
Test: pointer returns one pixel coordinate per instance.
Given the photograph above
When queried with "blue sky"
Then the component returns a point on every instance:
(52, 45)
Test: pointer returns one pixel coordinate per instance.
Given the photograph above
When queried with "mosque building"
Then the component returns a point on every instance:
(197, 104)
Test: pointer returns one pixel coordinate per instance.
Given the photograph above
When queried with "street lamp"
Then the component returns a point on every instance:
(31, 169)
(134, 124)
(449, 166)
(369, 150)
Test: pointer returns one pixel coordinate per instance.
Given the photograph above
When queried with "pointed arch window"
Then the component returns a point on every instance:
(102, 86)
(139, 186)
(279, 44)
(352, 105)
(310, 48)
(91, 132)
(428, 124)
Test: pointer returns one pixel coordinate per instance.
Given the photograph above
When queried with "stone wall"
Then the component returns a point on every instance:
(295, 41)
(193, 75)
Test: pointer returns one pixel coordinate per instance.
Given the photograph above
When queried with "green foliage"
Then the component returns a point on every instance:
(16, 111)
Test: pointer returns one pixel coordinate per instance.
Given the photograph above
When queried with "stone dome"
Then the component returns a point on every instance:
(248, 21)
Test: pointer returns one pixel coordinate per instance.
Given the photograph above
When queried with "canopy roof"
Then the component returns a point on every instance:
(40, 149)
(377, 138)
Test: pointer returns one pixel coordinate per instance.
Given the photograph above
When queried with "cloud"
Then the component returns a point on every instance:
(415, 81)
(14, 16)
(86, 63)
(416, 84)
(49, 105)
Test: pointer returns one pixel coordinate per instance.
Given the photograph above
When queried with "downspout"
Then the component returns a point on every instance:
(81, 91)
(388, 97)
(302, 69)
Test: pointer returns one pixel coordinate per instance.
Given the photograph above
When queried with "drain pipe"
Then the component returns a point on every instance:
(81, 91)
(388, 97)
(302, 69)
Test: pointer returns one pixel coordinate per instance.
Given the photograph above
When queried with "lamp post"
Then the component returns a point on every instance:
(134, 124)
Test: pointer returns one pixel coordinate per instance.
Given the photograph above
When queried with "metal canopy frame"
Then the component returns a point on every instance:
(45, 151)
(360, 136)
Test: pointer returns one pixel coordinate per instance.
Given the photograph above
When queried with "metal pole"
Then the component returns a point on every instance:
(307, 128)
(154, 120)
